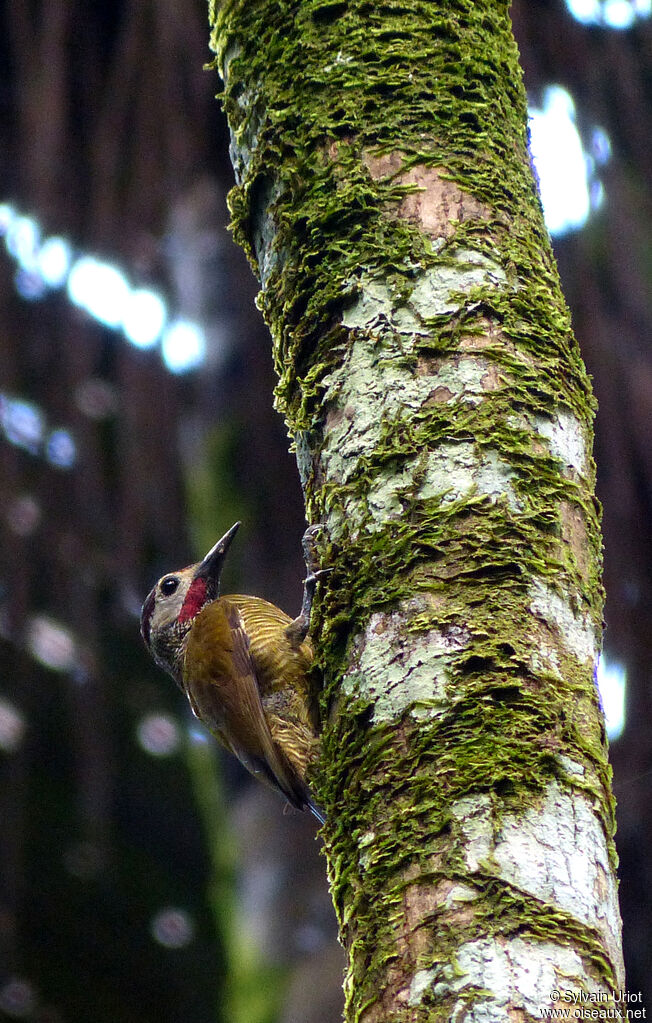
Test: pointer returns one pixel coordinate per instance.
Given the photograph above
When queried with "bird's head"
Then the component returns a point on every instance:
(173, 604)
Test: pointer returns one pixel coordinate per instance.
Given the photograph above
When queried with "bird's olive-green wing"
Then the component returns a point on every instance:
(220, 679)
(279, 661)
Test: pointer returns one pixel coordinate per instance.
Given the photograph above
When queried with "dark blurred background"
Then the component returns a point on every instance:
(143, 878)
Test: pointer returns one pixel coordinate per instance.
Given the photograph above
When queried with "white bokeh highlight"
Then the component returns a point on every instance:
(561, 163)
(611, 678)
(101, 289)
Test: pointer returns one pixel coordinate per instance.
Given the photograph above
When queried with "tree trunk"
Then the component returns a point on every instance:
(442, 420)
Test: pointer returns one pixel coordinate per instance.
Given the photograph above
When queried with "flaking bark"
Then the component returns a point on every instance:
(442, 419)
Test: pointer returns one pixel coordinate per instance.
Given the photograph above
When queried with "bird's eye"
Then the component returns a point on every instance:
(169, 585)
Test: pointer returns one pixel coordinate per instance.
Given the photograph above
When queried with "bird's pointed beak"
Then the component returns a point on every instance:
(210, 567)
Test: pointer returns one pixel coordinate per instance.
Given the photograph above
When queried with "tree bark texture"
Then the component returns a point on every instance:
(442, 419)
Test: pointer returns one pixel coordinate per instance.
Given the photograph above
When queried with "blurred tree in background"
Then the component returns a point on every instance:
(128, 444)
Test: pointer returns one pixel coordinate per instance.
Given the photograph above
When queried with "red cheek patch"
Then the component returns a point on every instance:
(195, 600)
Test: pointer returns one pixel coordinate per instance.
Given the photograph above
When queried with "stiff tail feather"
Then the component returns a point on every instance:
(315, 811)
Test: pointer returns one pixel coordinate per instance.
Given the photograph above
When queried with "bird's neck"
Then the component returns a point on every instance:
(170, 650)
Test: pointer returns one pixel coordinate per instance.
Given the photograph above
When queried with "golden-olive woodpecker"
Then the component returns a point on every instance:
(245, 667)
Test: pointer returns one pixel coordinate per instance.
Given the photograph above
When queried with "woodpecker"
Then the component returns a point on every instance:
(245, 666)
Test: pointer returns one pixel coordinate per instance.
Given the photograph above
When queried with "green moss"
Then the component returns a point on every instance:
(378, 77)
(499, 739)
(313, 88)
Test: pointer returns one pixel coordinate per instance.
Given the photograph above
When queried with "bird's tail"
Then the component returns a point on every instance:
(315, 811)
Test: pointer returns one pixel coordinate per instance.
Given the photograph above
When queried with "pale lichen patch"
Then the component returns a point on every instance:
(457, 470)
(554, 849)
(494, 977)
(565, 439)
(359, 399)
(466, 377)
(449, 474)
(270, 259)
(360, 406)
(436, 292)
(395, 675)
(420, 983)
(545, 659)
(571, 767)
(474, 815)
(574, 631)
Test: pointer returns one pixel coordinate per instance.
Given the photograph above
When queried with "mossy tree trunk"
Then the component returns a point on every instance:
(442, 420)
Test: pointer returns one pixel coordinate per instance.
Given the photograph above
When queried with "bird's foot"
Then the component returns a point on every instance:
(309, 545)
(298, 629)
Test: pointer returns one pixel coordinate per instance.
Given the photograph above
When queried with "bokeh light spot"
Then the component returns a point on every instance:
(99, 288)
(22, 423)
(585, 11)
(7, 216)
(96, 398)
(60, 449)
(611, 677)
(183, 346)
(29, 284)
(54, 259)
(17, 998)
(618, 14)
(12, 726)
(158, 734)
(198, 736)
(23, 515)
(566, 172)
(172, 927)
(51, 644)
(615, 14)
(144, 318)
(600, 146)
(22, 240)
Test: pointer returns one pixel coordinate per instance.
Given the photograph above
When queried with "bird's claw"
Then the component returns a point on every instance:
(309, 545)
(298, 629)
